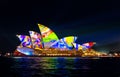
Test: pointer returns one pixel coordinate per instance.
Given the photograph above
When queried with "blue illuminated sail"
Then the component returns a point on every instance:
(65, 43)
(25, 41)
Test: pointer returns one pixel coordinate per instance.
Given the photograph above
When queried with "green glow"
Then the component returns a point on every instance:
(47, 34)
(50, 37)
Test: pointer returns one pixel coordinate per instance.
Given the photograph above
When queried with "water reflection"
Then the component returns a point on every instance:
(63, 67)
(50, 63)
(48, 66)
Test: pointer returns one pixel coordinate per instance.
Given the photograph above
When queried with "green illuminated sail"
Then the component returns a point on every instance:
(48, 36)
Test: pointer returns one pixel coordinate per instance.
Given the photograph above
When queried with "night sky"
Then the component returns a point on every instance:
(89, 20)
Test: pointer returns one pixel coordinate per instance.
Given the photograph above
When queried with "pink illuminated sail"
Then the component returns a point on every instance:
(36, 40)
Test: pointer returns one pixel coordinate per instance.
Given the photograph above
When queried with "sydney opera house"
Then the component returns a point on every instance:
(47, 43)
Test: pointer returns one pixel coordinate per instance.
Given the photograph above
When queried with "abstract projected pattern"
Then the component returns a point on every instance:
(79, 47)
(89, 44)
(25, 41)
(65, 43)
(69, 40)
(36, 40)
(47, 34)
(25, 51)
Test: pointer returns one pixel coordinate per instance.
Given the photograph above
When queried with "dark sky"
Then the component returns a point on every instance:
(90, 20)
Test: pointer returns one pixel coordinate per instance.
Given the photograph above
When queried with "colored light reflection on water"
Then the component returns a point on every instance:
(51, 62)
(31, 66)
(63, 67)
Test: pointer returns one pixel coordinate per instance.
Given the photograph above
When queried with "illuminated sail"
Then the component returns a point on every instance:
(25, 41)
(36, 40)
(89, 44)
(79, 47)
(48, 36)
(25, 51)
(65, 43)
(69, 40)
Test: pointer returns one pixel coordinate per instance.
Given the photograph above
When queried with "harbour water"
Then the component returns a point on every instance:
(59, 67)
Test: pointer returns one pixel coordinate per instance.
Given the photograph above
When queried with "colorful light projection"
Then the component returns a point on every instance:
(25, 41)
(26, 51)
(65, 43)
(79, 47)
(36, 40)
(48, 39)
(47, 35)
(89, 44)
(69, 40)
